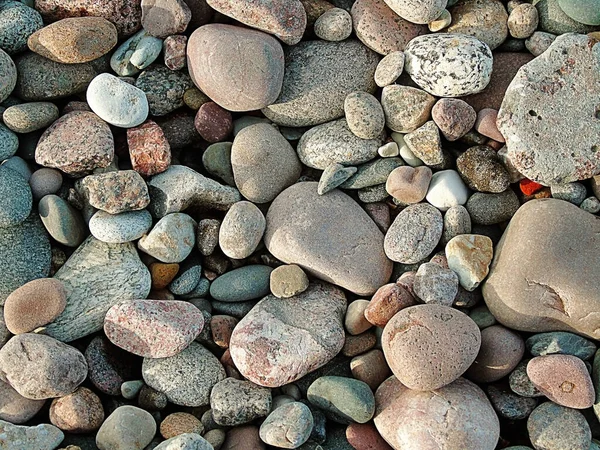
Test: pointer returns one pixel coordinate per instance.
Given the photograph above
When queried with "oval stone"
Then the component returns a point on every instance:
(8, 75)
(242, 284)
(418, 11)
(329, 236)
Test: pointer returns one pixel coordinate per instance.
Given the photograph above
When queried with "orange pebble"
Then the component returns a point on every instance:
(529, 187)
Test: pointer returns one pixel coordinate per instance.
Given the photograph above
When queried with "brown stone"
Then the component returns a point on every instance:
(15, 408)
(213, 123)
(355, 321)
(454, 117)
(242, 438)
(174, 49)
(149, 150)
(356, 345)
(180, 423)
(486, 124)
(116, 192)
(162, 18)
(387, 301)
(221, 328)
(162, 274)
(79, 412)
(484, 19)
(409, 184)
(370, 367)
(364, 436)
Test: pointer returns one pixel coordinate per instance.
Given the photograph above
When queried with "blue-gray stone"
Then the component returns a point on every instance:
(19, 165)
(63, 222)
(9, 143)
(120, 228)
(239, 285)
(344, 400)
(135, 54)
(560, 342)
(201, 290)
(188, 276)
(237, 309)
(17, 23)
(15, 198)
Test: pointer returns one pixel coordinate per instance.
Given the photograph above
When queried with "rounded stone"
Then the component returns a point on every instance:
(28, 117)
(435, 285)
(523, 21)
(586, 12)
(483, 19)
(355, 321)
(179, 423)
(17, 22)
(418, 11)
(334, 25)
(456, 222)
(164, 88)
(117, 431)
(135, 54)
(365, 437)
(117, 102)
(213, 123)
(63, 222)
(559, 342)
(364, 115)
(554, 426)
(389, 68)
(8, 76)
(552, 19)
(346, 399)
(79, 412)
(15, 198)
(508, 404)
(570, 192)
(172, 238)
(408, 184)
(406, 108)
(414, 234)
(314, 232)
(247, 435)
(520, 383)
(430, 346)
(162, 18)
(120, 228)
(454, 117)
(235, 402)
(486, 124)
(288, 426)
(387, 301)
(15, 408)
(242, 284)
(489, 208)
(287, 281)
(242, 230)
(256, 79)
(9, 142)
(463, 64)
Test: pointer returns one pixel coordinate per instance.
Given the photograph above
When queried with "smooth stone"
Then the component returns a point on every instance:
(454, 117)
(364, 115)
(246, 435)
(164, 88)
(456, 416)
(15, 408)
(39, 437)
(520, 383)
(180, 423)
(56, 369)
(389, 68)
(235, 402)
(172, 238)
(470, 255)
(406, 108)
(591, 205)
(456, 222)
(24, 254)
(522, 21)
(242, 284)
(539, 42)
(570, 192)
(489, 209)
(407, 184)
(387, 301)
(216, 159)
(89, 297)
(288, 280)
(28, 117)
(355, 321)
(483, 19)
(19, 165)
(15, 198)
(185, 441)
(463, 64)
(242, 230)
(365, 437)
(8, 75)
(281, 340)
(17, 21)
(162, 18)
(61, 146)
(509, 405)
(552, 19)
(334, 176)
(207, 236)
(586, 12)
(116, 431)
(63, 222)
(435, 285)
(213, 123)
(79, 412)
(263, 163)
(443, 20)
(334, 25)
(117, 102)
(288, 426)
(180, 187)
(372, 173)
(174, 48)
(447, 190)
(418, 11)
(414, 234)
(430, 346)
(131, 389)
(554, 426)
(115, 191)
(346, 399)
(314, 232)
(558, 343)
(9, 142)
(559, 297)
(187, 278)
(135, 54)
(527, 121)
(373, 194)
(318, 77)
(109, 366)
(186, 378)
(254, 82)
(120, 228)
(482, 170)
(334, 142)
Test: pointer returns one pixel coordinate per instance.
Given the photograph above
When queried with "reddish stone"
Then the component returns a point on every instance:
(364, 436)
(486, 124)
(529, 187)
(243, 438)
(79, 412)
(149, 149)
(174, 49)
(370, 368)
(109, 366)
(230, 369)
(213, 123)
(356, 345)
(387, 301)
(454, 117)
(221, 328)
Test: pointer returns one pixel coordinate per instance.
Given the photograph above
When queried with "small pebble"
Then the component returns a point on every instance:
(489, 209)
(539, 42)
(387, 301)
(425, 143)
(370, 367)
(591, 205)
(15, 198)
(510, 405)
(288, 426)
(571, 192)
(435, 285)
(389, 150)
(28, 117)
(207, 236)
(520, 383)
(406, 108)
(172, 238)
(355, 321)
(364, 115)
(131, 389)
(63, 222)
(482, 171)
(149, 149)
(213, 122)
(389, 69)
(179, 423)
(174, 49)
(235, 402)
(79, 412)
(334, 25)
(409, 185)
(482, 316)
(288, 280)
(454, 117)
(242, 230)
(486, 124)
(135, 54)
(470, 255)
(45, 181)
(444, 19)
(522, 21)
(562, 343)
(217, 161)
(345, 399)
(555, 427)
(115, 432)
(242, 284)
(155, 12)
(120, 228)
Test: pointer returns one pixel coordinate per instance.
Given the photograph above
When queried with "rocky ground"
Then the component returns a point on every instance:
(311, 224)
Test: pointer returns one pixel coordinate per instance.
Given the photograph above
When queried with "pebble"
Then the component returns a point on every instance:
(414, 234)
(298, 334)
(509, 405)
(217, 161)
(172, 238)
(179, 423)
(380, 28)
(188, 276)
(520, 383)
(135, 54)
(355, 321)
(587, 12)
(415, 339)
(482, 316)
(486, 124)
(162, 18)
(89, 297)
(454, 117)
(15, 198)
(372, 173)
(63, 222)
(373, 194)
(120, 228)
(254, 82)
(370, 367)
(334, 25)
(389, 150)
(500, 352)
(19, 165)
(289, 426)
(456, 222)
(117, 102)
(554, 426)
(63, 146)
(174, 49)
(483, 19)
(334, 176)
(79, 412)
(9, 142)
(207, 236)
(40, 437)
(458, 57)
(558, 342)
(436, 285)
(489, 209)
(116, 192)
(409, 185)
(406, 108)
(15, 408)
(418, 11)
(109, 366)
(28, 117)
(425, 143)
(387, 301)
(553, 19)
(287, 281)
(8, 72)
(216, 438)
(571, 192)
(458, 416)
(345, 400)
(234, 402)
(523, 21)
(239, 437)
(263, 162)
(57, 369)
(213, 123)
(591, 205)
(470, 255)
(242, 284)
(313, 232)
(564, 379)
(365, 437)
(318, 77)
(186, 378)
(116, 431)
(389, 69)
(18, 22)
(242, 230)
(539, 42)
(164, 88)
(364, 115)
(131, 389)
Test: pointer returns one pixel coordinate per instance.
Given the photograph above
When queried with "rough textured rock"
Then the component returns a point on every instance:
(329, 236)
(566, 78)
(281, 340)
(40, 437)
(79, 412)
(288, 426)
(418, 11)
(29, 117)
(470, 255)
(89, 296)
(18, 22)
(162, 18)
(116, 192)
(554, 426)
(364, 115)
(8, 75)
(483, 19)
(15, 198)
(406, 108)
(334, 25)
(135, 54)
(128, 427)
(235, 402)
(14, 407)
(164, 88)
(172, 238)
(535, 291)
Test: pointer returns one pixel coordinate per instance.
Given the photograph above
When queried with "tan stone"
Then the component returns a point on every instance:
(409, 184)
(79, 412)
(470, 255)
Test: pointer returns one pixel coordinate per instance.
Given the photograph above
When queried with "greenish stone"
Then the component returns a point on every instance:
(560, 342)
(552, 19)
(237, 309)
(199, 291)
(373, 194)
(372, 173)
(246, 121)
(15, 197)
(217, 161)
(188, 276)
(63, 222)
(164, 88)
(336, 440)
(346, 399)
(482, 316)
(239, 285)
(333, 176)
(582, 11)
(9, 143)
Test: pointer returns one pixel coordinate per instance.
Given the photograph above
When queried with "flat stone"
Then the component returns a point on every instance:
(418, 11)
(135, 54)
(389, 68)
(552, 19)
(116, 192)
(281, 340)
(255, 80)
(346, 399)
(115, 432)
(172, 238)
(406, 108)
(483, 19)
(89, 296)
(162, 18)
(470, 255)
(120, 228)
(554, 426)
(288, 426)
(318, 77)
(79, 412)
(558, 343)
(40, 437)
(18, 22)
(334, 176)
(314, 232)
(531, 131)
(364, 115)
(242, 284)
(234, 402)
(15, 408)
(372, 173)
(15, 198)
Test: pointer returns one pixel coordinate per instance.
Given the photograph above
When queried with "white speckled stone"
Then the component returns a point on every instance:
(449, 65)
(418, 11)
(120, 228)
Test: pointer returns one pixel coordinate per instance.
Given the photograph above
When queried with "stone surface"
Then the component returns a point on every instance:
(213, 122)
(40, 437)
(109, 366)
(234, 402)
(425, 143)
(334, 25)
(164, 88)
(527, 121)
(15, 408)
(120, 228)
(242, 230)
(435, 285)
(281, 340)
(116, 192)
(9, 142)
(364, 115)
(470, 255)
(407, 184)
(217, 161)
(127, 427)
(244, 283)
(489, 209)
(463, 64)
(29, 117)
(454, 117)
(372, 173)
(186, 441)
(526, 295)
(174, 48)
(253, 83)
(89, 296)
(345, 399)
(586, 12)
(387, 301)
(523, 21)
(79, 412)
(18, 22)
(135, 54)
(561, 343)
(482, 170)
(554, 426)
(162, 18)
(8, 72)
(179, 423)
(172, 238)
(315, 231)
(365, 437)
(15, 198)
(510, 405)
(418, 11)
(552, 19)
(389, 68)
(287, 281)
(318, 77)
(406, 108)
(483, 19)
(288, 426)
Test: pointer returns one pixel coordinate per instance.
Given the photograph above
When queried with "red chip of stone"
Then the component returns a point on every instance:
(149, 150)
(529, 187)
(153, 328)
(213, 123)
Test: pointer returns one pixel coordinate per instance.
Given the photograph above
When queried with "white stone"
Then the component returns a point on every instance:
(469, 256)
(117, 102)
(39, 437)
(172, 238)
(120, 228)
(388, 150)
(447, 189)
(389, 69)
(135, 54)
(406, 153)
(242, 230)
(418, 11)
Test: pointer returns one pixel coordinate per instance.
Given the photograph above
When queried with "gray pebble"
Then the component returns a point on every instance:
(482, 316)
(130, 389)
(200, 290)
(151, 400)
(8, 76)
(188, 276)
(45, 181)
(372, 173)
(435, 284)
(489, 209)
(19, 165)
(237, 309)
(456, 221)
(288, 426)
(63, 222)
(185, 441)
(389, 68)
(116, 431)
(373, 194)
(364, 115)
(345, 400)
(39, 437)
(570, 192)
(15, 198)
(333, 176)
(9, 143)
(164, 88)
(334, 25)
(560, 342)
(520, 383)
(17, 22)
(119, 228)
(510, 405)
(242, 230)
(207, 236)
(234, 402)
(29, 117)
(239, 285)
(553, 426)
(216, 159)
(591, 205)
(172, 238)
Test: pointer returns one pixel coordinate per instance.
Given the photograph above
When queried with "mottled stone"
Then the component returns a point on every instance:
(109, 366)
(435, 284)
(372, 173)
(561, 343)
(418, 11)
(162, 18)
(389, 68)
(180, 423)
(18, 22)
(554, 426)
(8, 75)
(9, 142)
(483, 19)
(553, 19)
(116, 192)
(174, 49)
(470, 255)
(387, 301)
(213, 123)
(40, 437)
(242, 230)
(523, 21)
(489, 209)
(234, 402)
(334, 25)
(425, 144)
(117, 430)
(186, 441)
(15, 198)
(345, 399)
(510, 405)
(406, 108)
(120, 228)
(364, 115)
(520, 383)
(135, 54)
(172, 238)
(28, 117)
(454, 117)
(288, 426)
(164, 88)
(79, 412)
